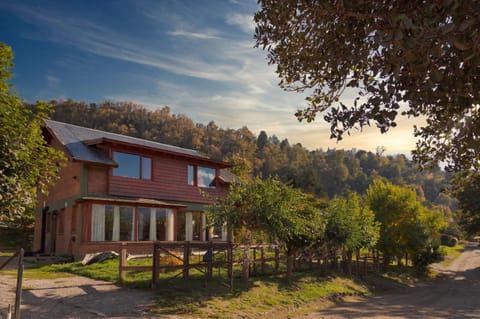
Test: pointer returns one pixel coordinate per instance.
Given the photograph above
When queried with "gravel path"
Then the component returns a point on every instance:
(455, 295)
(74, 297)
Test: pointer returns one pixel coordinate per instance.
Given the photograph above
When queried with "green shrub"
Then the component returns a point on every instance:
(426, 257)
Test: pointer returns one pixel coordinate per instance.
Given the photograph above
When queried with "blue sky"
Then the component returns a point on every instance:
(197, 57)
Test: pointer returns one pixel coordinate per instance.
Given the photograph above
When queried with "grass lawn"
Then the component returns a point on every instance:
(260, 298)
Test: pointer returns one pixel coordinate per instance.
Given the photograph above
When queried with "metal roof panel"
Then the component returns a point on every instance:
(80, 142)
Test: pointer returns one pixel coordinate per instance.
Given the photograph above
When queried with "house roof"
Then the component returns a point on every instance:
(228, 177)
(80, 143)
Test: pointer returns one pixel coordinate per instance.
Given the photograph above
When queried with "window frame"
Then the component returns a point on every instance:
(113, 215)
(159, 213)
(193, 174)
(141, 174)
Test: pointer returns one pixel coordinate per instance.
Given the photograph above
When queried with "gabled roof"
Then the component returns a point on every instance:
(228, 177)
(80, 143)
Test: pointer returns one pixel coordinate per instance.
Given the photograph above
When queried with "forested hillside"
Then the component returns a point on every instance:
(323, 172)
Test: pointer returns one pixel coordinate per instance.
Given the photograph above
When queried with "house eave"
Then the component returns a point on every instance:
(131, 201)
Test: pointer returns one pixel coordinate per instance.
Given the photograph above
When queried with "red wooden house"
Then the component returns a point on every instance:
(117, 188)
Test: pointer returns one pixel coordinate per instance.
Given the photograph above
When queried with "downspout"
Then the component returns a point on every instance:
(44, 229)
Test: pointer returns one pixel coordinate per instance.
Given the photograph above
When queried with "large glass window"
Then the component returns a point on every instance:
(205, 176)
(161, 224)
(201, 176)
(112, 223)
(189, 226)
(191, 175)
(144, 223)
(146, 168)
(152, 223)
(108, 229)
(196, 226)
(126, 223)
(133, 166)
(180, 224)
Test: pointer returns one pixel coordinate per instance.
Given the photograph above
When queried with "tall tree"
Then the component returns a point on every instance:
(27, 164)
(424, 55)
(469, 202)
(407, 228)
(283, 213)
(350, 226)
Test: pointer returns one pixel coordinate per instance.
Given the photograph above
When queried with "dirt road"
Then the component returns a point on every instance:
(455, 295)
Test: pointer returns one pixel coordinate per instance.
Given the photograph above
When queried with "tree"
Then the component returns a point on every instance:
(414, 58)
(469, 202)
(350, 226)
(284, 214)
(407, 228)
(27, 164)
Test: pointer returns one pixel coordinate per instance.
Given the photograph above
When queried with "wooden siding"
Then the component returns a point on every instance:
(169, 182)
(67, 185)
(97, 180)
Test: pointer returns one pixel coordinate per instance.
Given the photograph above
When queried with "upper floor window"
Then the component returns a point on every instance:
(131, 165)
(201, 176)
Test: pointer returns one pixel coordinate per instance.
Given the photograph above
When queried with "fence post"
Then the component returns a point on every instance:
(254, 260)
(209, 260)
(123, 260)
(156, 264)
(18, 294)
(310, 259)
(262, 257)
(277, 260)
(186, 259)
(365, 265)
(230, 260)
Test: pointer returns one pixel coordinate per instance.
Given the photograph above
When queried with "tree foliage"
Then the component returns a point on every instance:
(407, 227)
(350, 224)
(285, 214)
(414, 58)
(469, 203)
(27, 164)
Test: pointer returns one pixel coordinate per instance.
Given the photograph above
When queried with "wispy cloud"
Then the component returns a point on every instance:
(193, 35)
(52, 81)
(243, 21)
(237, 87)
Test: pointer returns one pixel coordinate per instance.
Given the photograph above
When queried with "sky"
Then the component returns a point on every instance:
(195, 56)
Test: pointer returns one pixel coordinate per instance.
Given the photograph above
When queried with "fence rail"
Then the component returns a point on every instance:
(180, 258)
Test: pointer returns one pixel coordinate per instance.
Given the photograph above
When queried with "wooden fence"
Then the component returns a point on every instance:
(18, 290)
(180, 258)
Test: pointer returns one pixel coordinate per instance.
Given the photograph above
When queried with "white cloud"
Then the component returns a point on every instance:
(193, 35)
(52, 81)
(244, 21)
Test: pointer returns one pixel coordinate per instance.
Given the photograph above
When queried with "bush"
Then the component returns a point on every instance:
(449, 240)
(16, 238)
(426, 257)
